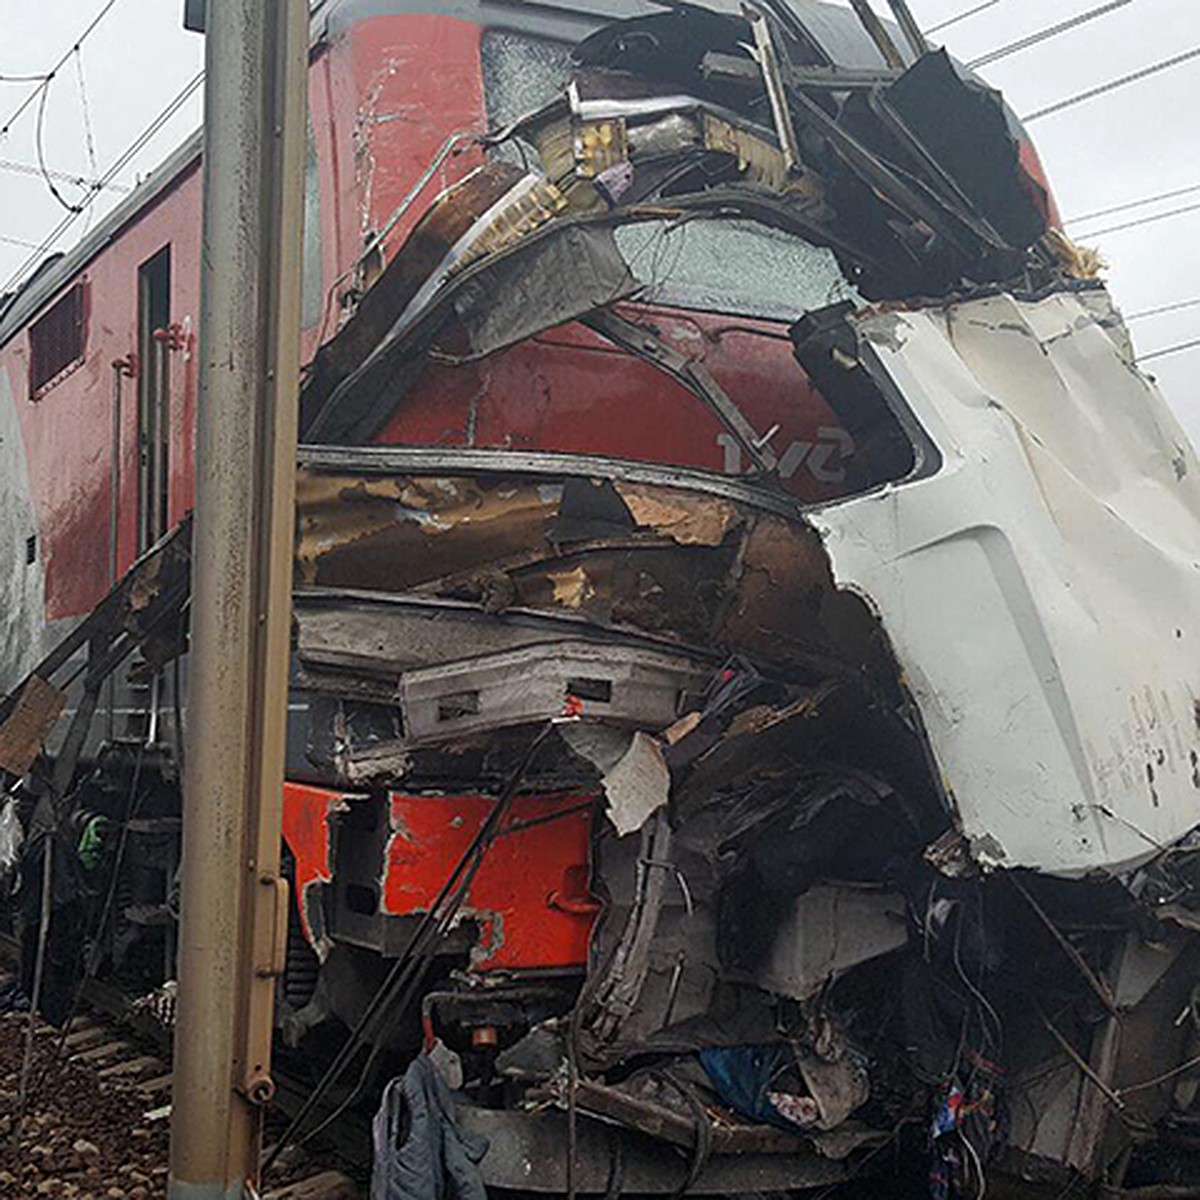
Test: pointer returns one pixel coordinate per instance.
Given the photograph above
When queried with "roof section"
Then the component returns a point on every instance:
(835, 29)
(45, 283)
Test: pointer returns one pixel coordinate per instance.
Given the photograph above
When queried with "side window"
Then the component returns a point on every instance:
(56, 341)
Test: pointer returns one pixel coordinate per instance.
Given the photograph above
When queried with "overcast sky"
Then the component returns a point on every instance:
(1132, 143)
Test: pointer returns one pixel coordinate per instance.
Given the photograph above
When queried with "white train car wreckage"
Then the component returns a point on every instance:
(886, 779)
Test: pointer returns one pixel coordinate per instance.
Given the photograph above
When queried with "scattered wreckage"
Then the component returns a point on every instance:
(743, 698)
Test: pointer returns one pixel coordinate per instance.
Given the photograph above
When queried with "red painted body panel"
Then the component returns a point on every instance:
(67, 430)
(530, 896)
(400, 112)
(572, 391)
(378, 115)
(306, 812)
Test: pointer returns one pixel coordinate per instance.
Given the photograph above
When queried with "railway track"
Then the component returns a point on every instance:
(96, 1123)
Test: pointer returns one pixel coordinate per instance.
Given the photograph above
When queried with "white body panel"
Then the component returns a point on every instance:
(1042, 587)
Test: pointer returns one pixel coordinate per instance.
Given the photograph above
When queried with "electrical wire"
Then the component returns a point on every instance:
(1135, 224)
(41, 157)
(1113, 84)
(130, 151)
(57, 66)
(1164, 308)
(1044, 35)
(1119, 208)
(962, 16)
(20, 168)
(1178, 348)
(88, 140)
(13, 241)
(23, 78)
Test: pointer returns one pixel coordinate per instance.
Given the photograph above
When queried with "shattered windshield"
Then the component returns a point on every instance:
(732, 266)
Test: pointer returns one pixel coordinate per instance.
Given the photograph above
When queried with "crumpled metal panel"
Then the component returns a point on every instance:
(663, 560)
(306, 813)
(1042, 589)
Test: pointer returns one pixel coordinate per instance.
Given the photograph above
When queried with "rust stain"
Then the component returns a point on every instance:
(571, 588)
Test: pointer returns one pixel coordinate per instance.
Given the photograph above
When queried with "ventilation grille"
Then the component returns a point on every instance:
(56, 342)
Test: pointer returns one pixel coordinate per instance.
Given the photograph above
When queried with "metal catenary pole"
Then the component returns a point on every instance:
(233, 926)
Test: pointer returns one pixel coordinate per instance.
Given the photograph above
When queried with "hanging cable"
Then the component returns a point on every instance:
(1044, 35)
(1177, 348)
(1178, 306)
(41, 157)
(88, 140)
(1162, 216)
(1113, 84)
(962, 16)
(46, 79)
(23, 78)
(130, 151)
(1119, 208)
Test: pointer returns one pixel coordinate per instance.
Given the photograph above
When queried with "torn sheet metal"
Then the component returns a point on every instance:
(306, 833)
(1065, 515)
(637, 785)
(525, 1154)
(920, 184)
(562, 279)
(24, 731)
(558, 536)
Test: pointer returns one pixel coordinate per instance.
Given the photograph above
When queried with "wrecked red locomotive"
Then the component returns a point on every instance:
(742, 697)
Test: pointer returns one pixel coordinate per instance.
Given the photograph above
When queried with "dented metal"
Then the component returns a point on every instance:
(743, 598)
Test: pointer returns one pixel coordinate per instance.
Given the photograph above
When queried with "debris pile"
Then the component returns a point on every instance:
(716, 724)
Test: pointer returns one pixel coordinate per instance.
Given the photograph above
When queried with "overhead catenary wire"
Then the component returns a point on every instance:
(1140, 221)
(1177, 348)
(962, 16)
(1044, 35)
(1161, 309)
(1131, 204)
(20, 168)
(122, 160)
(1112, 85)
(24, 243)
(49, 76)
(89, 140)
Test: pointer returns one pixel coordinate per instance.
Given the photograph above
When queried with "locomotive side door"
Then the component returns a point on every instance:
(154, 315)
